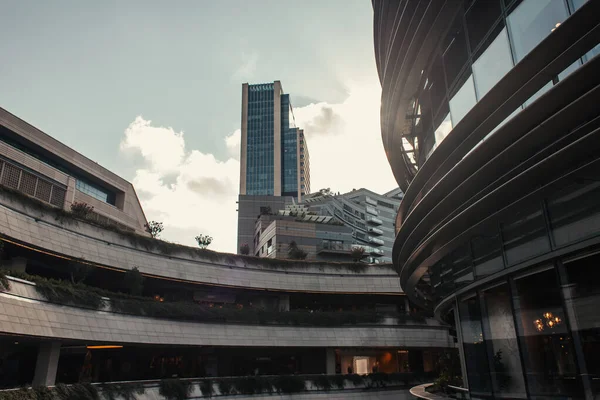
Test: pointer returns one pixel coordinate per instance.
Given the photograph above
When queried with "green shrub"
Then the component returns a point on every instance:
(355, 379)
(79, 391)
(174, 389)
(4, 283)
(323, 382)
(134, 281)
(19, 394)
(206, 386)
(288, 384)
(122, 391)
(251, 385)
(225, 387)
(339, 381)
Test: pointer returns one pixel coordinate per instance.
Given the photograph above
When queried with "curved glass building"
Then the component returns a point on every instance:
(490, 121)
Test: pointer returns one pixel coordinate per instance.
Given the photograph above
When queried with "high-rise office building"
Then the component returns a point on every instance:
(274, 156)
(274, 160)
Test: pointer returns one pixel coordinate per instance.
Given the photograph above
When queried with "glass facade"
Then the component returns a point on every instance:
(483, 44)
(260, 167)
(289, 149)
(95, 191)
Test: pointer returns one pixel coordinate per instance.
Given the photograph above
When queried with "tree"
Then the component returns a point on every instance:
(296, 253)
(245, 249)
(204, 241)
(81, 210)
(78, 271)
(357, 253)
(154, 228)
(134, 281)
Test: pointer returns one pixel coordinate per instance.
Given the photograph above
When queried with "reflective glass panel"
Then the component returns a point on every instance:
(463, 101)
(487, 252)
(493, 64)
(583, 297)
(574, 211)
(474, 347)
(443, 130)
(532, 21)
(455, 54)
(524, 233)
(546, 343)
(500, 335)
(480, 18)
(540, 92)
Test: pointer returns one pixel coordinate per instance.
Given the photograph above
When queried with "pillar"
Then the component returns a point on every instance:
(284, 303)
(406, 305)
(46, 364)
(330, 361)
(17, 264)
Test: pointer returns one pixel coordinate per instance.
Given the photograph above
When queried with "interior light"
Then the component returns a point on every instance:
(105, 346)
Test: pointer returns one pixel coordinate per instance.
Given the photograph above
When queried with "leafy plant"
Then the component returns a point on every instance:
(174, 389)
(4, 283)
(245, 249)
(338, 381)
(355, 379)
(225, 387)
(78, 271)
(122, 391)
(357, 253)
(81, 210)
(295, 252)
(288, 384)
(134, 281)
(206, 386)
(154, 228)
(203, 241)
(323, 382)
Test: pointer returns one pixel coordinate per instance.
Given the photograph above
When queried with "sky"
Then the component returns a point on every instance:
(151, 90)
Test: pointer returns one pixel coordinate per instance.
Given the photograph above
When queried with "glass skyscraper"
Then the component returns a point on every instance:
(274, 157)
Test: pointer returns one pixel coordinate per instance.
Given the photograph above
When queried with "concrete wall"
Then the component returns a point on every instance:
(107, 248)
(23, 312)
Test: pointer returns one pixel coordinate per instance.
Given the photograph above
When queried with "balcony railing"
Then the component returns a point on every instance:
(375, 231)
(374, 220)
(376, 241)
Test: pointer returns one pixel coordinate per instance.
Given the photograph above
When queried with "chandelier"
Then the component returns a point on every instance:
(548, 320)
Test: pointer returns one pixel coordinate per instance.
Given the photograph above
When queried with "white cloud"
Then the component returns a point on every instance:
(344, 141)
(192, 192)
(248, 67)
(202, 197)
(233, 144)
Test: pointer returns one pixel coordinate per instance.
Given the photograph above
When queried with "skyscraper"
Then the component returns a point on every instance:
(274, 156)
(274, 160)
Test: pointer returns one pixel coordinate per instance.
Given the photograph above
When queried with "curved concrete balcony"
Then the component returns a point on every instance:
(33, 227)
(23, 311)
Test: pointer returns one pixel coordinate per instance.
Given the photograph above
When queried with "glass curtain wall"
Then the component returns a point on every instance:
(483, 44)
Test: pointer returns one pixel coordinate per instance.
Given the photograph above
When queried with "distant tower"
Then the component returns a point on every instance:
(274, 157)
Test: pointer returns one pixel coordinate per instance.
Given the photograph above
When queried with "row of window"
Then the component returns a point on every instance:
(483, 44)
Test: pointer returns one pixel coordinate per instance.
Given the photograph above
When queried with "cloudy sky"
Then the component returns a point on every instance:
(152, 91)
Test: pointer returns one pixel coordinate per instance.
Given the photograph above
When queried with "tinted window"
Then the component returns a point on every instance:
(482, 15)
(493, 64)
(455, 52)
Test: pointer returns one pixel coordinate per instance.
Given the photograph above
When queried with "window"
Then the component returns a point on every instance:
(95, 191)
(474, 347)
(532, 21)
(524, 234)
(455, 54)
(493, 64)
(546, 343)
(443, 130)
(480, 18)
(463, 101)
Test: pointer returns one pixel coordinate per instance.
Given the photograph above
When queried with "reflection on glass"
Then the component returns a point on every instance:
(493, 64)
(569, 70)
(474, 348)
(532, 21)
(546, 343)
(463, 101)
(540, 92)
(487, 253)
(583, 298)
(443, 130)
(574, 212)
(499, 332)
(524, 234)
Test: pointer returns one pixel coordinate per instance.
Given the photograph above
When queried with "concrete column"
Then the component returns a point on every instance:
(17, 264)
(284, 303)
(330, 361)
(70, 196)
(406, 305)
(46, 364)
